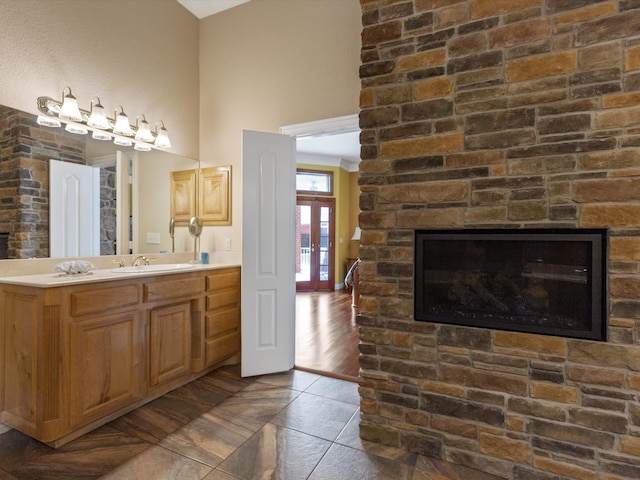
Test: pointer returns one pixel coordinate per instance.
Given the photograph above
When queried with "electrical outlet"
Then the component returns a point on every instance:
(227, 244)
(153, 238)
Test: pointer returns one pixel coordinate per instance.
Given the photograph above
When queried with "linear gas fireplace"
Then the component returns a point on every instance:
(539, 281)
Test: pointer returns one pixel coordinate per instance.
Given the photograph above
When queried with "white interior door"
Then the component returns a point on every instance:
(74, 210)
(268, 243)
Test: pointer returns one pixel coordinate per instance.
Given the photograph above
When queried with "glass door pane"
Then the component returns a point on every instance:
(324, 243)
(303, 243)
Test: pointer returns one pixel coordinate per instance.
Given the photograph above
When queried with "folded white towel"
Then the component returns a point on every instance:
(74, 267)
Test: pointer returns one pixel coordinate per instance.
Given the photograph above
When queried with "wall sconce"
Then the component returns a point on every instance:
(356, 234)
(79, 121)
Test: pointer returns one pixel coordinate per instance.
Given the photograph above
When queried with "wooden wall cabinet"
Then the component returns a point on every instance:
(214, 196)
(205, 193)
(78, 356)
(183, 196)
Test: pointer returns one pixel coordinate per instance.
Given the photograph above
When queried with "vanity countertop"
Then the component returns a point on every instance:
(55, 279)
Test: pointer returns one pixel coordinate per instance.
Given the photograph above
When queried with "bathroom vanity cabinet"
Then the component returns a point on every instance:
(75, 356)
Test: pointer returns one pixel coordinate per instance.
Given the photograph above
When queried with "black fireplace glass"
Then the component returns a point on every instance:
(545, 281)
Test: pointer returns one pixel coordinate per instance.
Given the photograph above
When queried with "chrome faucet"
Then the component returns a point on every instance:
(141, 260)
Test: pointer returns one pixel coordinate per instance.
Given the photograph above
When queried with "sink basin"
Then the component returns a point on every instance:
(154, 268)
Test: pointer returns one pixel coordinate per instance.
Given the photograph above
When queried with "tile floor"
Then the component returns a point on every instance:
(290, 426)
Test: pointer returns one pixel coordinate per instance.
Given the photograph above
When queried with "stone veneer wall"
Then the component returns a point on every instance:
(25, 150)
(500, 113)
(108, 205)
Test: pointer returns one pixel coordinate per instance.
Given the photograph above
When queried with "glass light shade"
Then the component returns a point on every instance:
(162, 140)
(356, 234)
(48, 121)
(98, 135)
(98, 119)
(142, 147)
(69, 109)
(122, 126)
(77, 129)
(144, 132)
(123, 142)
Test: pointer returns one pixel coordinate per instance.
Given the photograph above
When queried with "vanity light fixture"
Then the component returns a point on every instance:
(100, 135)
(51, 122)
(162, 137)
(69, 109)
(78, 121)
(144, 130)
(76, 128)
(122, 126)
(122, 141)
(98, 119)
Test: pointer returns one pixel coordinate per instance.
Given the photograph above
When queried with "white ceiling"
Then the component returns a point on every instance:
(340, 146)
(204, 8)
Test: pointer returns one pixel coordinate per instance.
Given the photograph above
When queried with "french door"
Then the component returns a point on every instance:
(315, 250)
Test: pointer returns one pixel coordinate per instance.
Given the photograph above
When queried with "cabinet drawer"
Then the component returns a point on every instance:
(167, 289)
(223, 279)
(220, 348)
(222, 321)
(225, 298)
(104, 298)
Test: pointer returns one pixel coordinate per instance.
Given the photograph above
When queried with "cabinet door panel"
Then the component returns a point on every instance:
(225, 278)
(222, 299)
(222, 321)
(106, 364)
(170, 347)
(222, 347)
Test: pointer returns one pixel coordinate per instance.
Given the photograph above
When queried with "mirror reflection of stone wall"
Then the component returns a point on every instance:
(108, 211)
(25, 150)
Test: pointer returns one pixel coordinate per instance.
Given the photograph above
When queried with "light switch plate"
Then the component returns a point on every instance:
(153, 238)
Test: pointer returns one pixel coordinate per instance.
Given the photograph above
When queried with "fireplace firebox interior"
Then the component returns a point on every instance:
(548, 282)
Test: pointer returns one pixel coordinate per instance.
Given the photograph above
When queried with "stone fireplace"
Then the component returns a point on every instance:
(488, 115)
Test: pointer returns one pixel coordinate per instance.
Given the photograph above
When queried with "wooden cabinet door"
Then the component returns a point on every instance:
(170, 343)
(106, 364)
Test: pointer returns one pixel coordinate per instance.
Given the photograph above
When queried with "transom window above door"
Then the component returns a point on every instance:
(314, 182)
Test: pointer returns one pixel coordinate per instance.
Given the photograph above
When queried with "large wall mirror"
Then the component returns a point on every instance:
(134, 196)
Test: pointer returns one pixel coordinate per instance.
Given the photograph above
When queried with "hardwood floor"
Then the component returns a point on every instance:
(327, 334)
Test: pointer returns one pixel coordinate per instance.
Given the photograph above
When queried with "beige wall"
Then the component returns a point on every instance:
(267, 64)
(140, 54)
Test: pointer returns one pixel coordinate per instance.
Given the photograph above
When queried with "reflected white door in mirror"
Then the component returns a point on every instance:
(74, 200)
